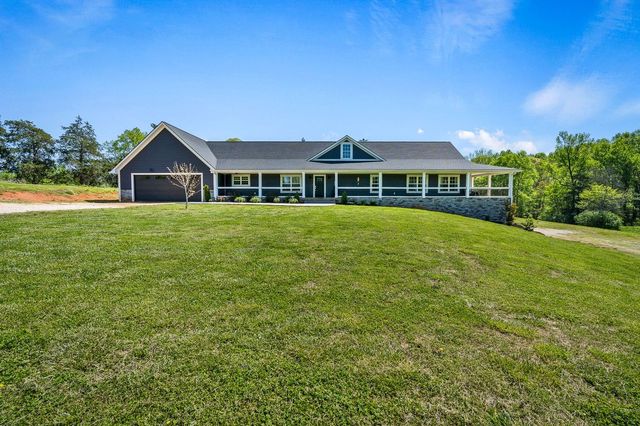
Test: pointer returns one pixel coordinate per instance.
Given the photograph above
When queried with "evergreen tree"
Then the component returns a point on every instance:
(80, 151)
(32, 150)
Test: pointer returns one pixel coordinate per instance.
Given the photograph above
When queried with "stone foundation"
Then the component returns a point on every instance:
(491, 209)
(125, 195)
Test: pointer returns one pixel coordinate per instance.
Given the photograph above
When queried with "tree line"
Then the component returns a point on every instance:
(581, 179)
(30, 154)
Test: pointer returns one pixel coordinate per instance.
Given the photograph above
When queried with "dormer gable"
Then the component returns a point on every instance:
(346, 149)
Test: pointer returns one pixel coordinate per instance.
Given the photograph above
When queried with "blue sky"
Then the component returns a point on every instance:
(483, 74)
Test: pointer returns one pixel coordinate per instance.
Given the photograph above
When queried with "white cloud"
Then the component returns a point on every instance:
(463, 25)
(496, 141)
(75, 14)
(420, 130)
(569, 101)
(629, 108)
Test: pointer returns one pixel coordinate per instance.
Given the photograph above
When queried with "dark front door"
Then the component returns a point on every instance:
(318, 186)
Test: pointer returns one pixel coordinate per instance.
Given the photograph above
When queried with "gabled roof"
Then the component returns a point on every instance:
(349, 140)
(196, 145)
(298, 155)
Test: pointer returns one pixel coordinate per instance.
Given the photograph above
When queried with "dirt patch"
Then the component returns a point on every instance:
(554, 232)
(43, 197)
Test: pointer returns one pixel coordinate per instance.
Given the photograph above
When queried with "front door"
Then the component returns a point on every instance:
(318, 186)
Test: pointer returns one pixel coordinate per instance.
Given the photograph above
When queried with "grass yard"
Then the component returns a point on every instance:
(27, 192)
(345, 314)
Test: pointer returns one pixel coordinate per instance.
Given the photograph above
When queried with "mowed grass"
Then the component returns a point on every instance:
(345, 314)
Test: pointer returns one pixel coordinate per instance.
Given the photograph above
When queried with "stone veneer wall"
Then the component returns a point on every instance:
(491, 209)
(125, 194)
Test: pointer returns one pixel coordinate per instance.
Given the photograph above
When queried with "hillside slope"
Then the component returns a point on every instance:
(284, 314)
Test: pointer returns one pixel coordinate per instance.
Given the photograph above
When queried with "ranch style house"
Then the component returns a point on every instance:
(430, 175)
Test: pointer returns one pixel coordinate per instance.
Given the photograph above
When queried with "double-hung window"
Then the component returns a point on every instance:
(414, 183)
(346, 151)
(374, 184)
(290, 183)
(449, 183)
(240, 180)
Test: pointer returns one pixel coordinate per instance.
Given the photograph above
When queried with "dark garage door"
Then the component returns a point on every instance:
(159, 188)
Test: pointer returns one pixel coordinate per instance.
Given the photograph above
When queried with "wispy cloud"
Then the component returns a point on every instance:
(567, 100)
(463, 25)
(75, 14)
(496, 141)
(384, 22)
(629, 108)
(420, 130)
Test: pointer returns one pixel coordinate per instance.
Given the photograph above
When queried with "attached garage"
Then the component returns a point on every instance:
(158, 187)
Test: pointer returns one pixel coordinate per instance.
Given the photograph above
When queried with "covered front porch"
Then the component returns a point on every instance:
(357, 184)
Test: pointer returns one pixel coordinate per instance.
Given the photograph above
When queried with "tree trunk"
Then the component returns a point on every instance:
(186, 198)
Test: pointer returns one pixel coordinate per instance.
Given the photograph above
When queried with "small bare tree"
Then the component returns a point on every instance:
(184, 176)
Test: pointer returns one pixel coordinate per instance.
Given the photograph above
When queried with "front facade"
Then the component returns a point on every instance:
(432, 175)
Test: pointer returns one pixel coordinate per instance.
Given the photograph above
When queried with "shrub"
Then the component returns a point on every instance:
(239, 199)
(7, 176)
(601, 198)
(599, 219)
(363, 202)
(344, 198)
(255, 199)
(276, 199)
(511, 213)
(207, 193)
(293, 200)
(222, 198)
(528, 224)
(373, 203)
(268, 198)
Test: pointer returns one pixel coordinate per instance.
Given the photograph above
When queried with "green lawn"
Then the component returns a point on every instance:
(344, 314)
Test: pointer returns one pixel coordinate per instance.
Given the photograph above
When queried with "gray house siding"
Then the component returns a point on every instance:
(357, 154)
(159, 155)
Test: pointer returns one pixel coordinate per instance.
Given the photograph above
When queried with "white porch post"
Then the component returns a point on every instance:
(511, 186)
(260, 184)
(468, 182)
(335, 185)
(303, 184)
(489, 185)
(380, 185)
(424, 181)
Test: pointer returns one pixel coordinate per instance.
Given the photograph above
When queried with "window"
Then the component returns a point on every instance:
(449, 183)
(374, 183)
(346, 151)
(240, 180)
(414, 183)
(290, 183)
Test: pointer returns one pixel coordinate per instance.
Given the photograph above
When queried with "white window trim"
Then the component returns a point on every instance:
(240, 176)
(342, 145)
(290, 188)
(374, 189)
(419, 183)
(448, 190)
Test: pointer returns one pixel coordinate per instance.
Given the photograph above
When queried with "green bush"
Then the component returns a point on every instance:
(239, 199)
(373, 203)
(344, 198)
(207, 193)
(293, 200)
(599, 219)
(601, 198)
(528, 224)
(268, 198)
(511, 212)
(7, 176)
(276, 199)
(255, 199)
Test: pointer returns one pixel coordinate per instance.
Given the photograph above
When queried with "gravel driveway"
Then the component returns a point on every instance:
(6, 208)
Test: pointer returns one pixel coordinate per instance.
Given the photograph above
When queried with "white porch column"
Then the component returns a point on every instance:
(489, 186)
(468, 182)
(380, 185)
(335, 186)
(260, 184)
(215, 185)
(424, 181)
(511, 186)
(303, 184)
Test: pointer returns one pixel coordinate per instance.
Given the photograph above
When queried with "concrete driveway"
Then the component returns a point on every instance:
(7, 208)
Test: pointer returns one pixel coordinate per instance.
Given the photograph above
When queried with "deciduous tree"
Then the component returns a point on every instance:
(184, 176)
